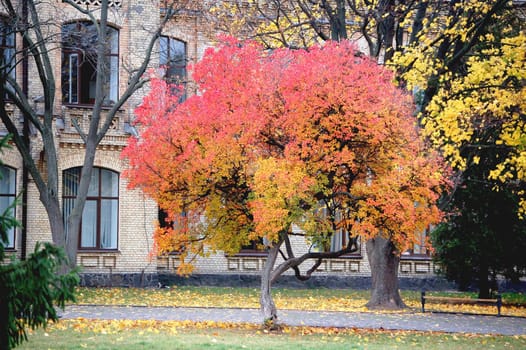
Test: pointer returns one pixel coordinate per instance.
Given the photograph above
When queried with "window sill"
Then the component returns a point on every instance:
(165, 255)
(98, 251)
(415, 257)
(350, 256)
(85, 106)
(249, 253)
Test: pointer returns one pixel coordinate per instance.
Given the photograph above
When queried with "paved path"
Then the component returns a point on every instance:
(455, 323)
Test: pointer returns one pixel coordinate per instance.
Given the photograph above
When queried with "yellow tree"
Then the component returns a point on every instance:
(470, 78)
(383, 26)
(468, 74)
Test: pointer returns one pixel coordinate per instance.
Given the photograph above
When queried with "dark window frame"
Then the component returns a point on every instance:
(8, 50)
(98, 199)
(79, 68)
(345, 241)
(164, 221)
(253, 248)
(11, 196)
(426, 255)
(169, 50)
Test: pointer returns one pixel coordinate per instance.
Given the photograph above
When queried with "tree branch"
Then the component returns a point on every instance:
(295, 262)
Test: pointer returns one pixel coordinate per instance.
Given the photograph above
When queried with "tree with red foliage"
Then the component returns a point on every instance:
(317, 138)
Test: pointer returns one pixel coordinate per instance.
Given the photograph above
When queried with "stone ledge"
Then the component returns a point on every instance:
(287, 281)
(139, 280)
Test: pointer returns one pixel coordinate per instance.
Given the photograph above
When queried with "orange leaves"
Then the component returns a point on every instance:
(278, 186)
(289, 136)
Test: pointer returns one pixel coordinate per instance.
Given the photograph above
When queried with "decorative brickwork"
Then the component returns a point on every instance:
(97, 3)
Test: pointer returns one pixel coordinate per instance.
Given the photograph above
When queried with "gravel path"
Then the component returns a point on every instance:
(454, 323)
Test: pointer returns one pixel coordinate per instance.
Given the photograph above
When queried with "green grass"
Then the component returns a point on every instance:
(190, 338)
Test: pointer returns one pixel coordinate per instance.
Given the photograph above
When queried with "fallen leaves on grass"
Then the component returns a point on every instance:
(116, 327)
(249, 298)
(174, 297)
(84, 325)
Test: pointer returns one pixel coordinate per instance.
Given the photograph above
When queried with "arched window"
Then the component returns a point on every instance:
(79, 63)
(7, 198)
(7, 50)
(173, 60)
(99, 225)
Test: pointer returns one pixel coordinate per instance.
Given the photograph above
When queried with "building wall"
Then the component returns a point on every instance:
(136, 20)
(137, 214)
(352, 265)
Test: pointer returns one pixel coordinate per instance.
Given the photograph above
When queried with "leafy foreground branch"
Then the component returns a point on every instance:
(29, 288)
(28, 291)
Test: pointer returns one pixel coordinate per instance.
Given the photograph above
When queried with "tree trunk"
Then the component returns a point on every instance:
(483, 283)
(338, 25)
(384, 262)
(91, 141)
(268, 308)
(418, 22)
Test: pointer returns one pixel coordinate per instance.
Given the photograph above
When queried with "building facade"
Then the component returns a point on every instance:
(116, 230)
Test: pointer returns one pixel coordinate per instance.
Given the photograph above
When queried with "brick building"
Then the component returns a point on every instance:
(115, 242)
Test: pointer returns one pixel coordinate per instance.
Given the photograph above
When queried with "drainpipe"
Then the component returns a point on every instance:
(25, 136)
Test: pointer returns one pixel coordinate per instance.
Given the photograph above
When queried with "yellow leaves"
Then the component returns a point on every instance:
(115, 327)
(423, 66)
(490, 93)
(116, 331)
(173, 297)
(352, 301)
(279, 185)
(185, 269)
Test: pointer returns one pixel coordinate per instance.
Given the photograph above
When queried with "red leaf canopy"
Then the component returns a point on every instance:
(319, 138)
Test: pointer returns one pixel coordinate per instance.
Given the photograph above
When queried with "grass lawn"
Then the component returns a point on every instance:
(176, 335)
(346, 300)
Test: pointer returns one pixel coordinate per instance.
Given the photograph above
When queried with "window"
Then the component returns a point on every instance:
(173, 60)
(420, 249)
(177, 222)
(99, 225)
(340, 240)
(7, 47)
(79, 64)
(7, 198)
(164, 220)
(255, 247)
